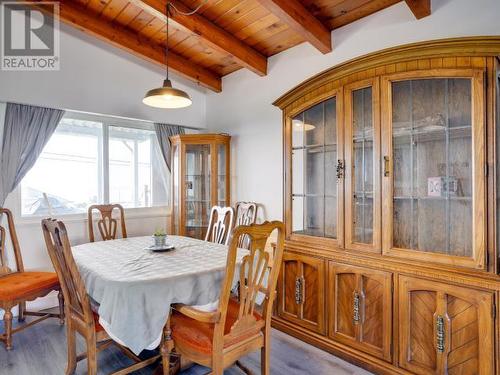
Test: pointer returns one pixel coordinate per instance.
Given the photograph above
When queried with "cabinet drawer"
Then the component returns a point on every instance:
(360, 308)
(445, 329)
(301, 291)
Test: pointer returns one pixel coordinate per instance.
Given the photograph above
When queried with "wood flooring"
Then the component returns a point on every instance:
(41, 350)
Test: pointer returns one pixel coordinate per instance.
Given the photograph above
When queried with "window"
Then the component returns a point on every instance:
(88, 162)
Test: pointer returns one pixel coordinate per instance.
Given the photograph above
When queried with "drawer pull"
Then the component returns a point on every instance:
(386, 166)
(440, 334)
(355, 308)
(340, 169)
(299, 290)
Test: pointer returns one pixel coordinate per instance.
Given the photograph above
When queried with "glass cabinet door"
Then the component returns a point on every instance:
(222, 175)
(316, 185)
(362, 166)
(197, 189)
(434, 167)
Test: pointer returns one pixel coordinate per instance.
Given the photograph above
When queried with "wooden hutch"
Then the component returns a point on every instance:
(390, 189)
(200, 180)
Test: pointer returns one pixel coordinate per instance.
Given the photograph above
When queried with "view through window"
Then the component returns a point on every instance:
(87, 162)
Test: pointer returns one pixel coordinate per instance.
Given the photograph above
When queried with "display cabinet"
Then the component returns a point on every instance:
(391, 209)
(362, 152)
(316, 166)
(200, 180)
(434, 166)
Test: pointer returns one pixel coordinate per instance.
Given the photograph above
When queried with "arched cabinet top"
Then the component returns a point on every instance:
(420, 54)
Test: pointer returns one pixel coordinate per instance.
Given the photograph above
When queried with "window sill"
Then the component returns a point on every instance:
(130, 213)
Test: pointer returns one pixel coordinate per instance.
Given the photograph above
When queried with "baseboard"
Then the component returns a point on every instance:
(47, 302)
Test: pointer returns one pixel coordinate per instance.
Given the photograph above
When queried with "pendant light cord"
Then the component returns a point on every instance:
(192, 12)
(166, 49)
(168, 6)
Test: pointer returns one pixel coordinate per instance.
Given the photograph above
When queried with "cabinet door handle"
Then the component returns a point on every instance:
(299, 290)
(355, 308)
(340, 169)
(386, 166)
(440, 334)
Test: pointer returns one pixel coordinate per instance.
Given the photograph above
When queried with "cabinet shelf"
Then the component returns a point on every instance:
(452, 198)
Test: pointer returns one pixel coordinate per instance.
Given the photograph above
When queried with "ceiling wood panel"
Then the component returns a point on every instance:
(213, 35)
(298, 17)
(76, 15)
(224, 35)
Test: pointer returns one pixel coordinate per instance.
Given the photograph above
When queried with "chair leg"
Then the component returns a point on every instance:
(7, 320)
(217, 363)
(60, 297)
(22, 308)
(71, 337)
(91, 355)
(166, 347)
(264, 354)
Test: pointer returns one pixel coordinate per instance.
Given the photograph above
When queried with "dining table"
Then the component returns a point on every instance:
(133, 287)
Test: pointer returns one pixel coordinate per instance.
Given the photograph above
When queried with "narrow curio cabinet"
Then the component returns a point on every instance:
(200, 180)
(390, 205)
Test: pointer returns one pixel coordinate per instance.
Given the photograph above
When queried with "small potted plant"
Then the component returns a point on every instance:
(160, 236)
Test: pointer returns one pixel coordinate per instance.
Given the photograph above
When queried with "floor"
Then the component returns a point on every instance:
(41, 350)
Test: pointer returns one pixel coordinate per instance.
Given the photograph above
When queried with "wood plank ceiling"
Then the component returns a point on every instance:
(224, 35)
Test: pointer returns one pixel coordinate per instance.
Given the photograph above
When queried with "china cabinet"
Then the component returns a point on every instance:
(390, 197)
(200, 180)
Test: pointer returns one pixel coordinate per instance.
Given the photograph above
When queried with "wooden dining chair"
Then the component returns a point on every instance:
(220, 225)
(107, 224)
(218, 339)
(79, 314)
(18, 286)
(246, 214)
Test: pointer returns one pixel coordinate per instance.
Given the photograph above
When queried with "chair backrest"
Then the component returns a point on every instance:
(107, 225)
(258, 274)
(246, 214)
(14, 241)
(220, 225)
(76, 299)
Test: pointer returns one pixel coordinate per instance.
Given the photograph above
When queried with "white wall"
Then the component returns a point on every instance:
(96, 77)
(244, 108)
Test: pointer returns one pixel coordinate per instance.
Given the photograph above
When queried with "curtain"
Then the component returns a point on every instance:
(26, 131)
(163, 131)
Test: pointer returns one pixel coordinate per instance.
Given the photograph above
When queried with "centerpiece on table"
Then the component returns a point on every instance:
(160, 245)
(160, 237)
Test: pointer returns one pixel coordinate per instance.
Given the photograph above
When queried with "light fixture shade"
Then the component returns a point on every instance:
(299, 126)
(167, 97)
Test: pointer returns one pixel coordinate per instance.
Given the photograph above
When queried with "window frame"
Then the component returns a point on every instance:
(15, 198)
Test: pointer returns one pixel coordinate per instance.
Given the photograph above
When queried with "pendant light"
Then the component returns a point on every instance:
(167, 96)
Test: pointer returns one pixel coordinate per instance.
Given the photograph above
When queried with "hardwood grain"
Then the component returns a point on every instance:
(42, 350)
(294, 14)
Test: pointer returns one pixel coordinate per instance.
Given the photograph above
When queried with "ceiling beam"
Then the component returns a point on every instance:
(298, 18)
(80, 18)
(213, 35)
(420, 8)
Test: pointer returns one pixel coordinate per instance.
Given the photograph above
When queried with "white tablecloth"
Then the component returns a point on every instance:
(135, 287)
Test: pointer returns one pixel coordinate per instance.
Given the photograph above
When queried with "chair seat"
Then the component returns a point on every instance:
(19, 285)
(98, 326)
(198, 336)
